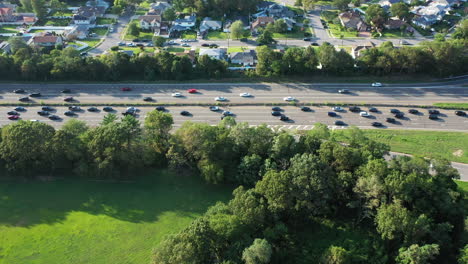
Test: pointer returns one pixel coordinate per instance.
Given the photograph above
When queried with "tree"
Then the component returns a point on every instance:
(39, 7)
(400, 10)
(416, 254)
(237, 29)
(258, 253)
(17, 43)
(376, 15)
(159, 41)
(336, 255)
(133, 29)
(57, 5)
(461, 31)
(341, 4)
(169, 14)
(308, 4)
(26, 5)
(249, 170)
(266, 37)
(280, 26)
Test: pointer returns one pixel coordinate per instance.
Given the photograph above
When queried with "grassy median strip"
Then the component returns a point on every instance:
(452, 146)
(463, 106)
(81, 221)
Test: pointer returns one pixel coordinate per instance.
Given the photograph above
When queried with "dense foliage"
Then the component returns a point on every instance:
(437, 58)
(410, 208)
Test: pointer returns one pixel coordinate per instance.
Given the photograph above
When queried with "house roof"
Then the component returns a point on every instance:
(395, 23)
(161, 6)
(352, 20)
(87, 11)
(207, 23)
(243, 56)
(187, 19)
(151, 18)
(262, 21)
(213, 52)
(45, 39)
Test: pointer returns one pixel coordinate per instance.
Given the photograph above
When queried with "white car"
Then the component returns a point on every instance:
(245, 95)
(34, 120)
(289, 99)
(376, 84)
(220, 98)
(337, 109)
(364, 114)
(133, 109)
(131, 45)
(176, 94)
(185, 45)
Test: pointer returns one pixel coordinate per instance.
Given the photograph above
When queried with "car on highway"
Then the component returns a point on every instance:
(160, 108)
(275, 113)
(228, 113)
(376, 84)
(131, 44)
(364, 114)
(176, 95)
(184, 113)
(69, 113)
(214, 108)
(343, 91)
(434, 112)
(376, 124)
(34, 120)
(12, 113)
(400, 115)
(13, 117)
(305, 109)
(245, 95)
(373, 110)
(339, 123)
(125, 89)
(220, 99)
(126, 113)
(394, 111)
(20, 109)
(68, 99)
(413, 111)
(433, 116)
(338, 109)
(276, 108)
(24, 99)
(35, 95)
(289, 99)
(192, 91)
(107, 109)
(54, 117)
(66, 91)
(148, 99)
(460, 113)
(332, 114)
(74, 108)
(133, 109)
(284, 118)
(18, 91)
(43, 113)
(390, 120)
(48, 108)
(354, 109)
(93, 109)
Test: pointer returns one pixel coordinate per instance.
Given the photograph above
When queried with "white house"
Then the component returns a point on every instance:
(246, 58)
(209, 24)
(150, 22)
(187, 21)
(218, 54)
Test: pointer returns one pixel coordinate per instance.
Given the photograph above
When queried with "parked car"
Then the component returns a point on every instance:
(376, 84)
(185, 45)
(413, 111)
(121, 43)
(339, 123)
(13, 117)
(19, 91)
(307, 39)
(125, 89)
(354, 109)
(214, 108)
(185, 113)
(20, 109)
(314, 44)
(460, 113)
(107, 109)
(192, 91)
(275, 113)
(213, 45)
(376, 124)
(390, 120)
(35, 95)
(373, 110)
(93, 109)
(305, 109)
(289, 99)
(133, 109)
(205, 45)
(332, 114)
(220, 99)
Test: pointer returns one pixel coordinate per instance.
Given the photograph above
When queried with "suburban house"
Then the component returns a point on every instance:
(218, 54)
(6, 13)
(26, 18)
(246, 58)
(98, 3)
(76, 32)
(187, 22)
(208, 24)
(261, 22)
(189, 53)
(290, 23)
(243, 19)
(46, 40)
(394, 24)
(150, 22)
(425, 21)
(357, 51)
(160, 6)
(85, 15)
(351, 19)
(279, 11)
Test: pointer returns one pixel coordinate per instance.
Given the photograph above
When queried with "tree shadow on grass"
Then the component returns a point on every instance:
(158, 191)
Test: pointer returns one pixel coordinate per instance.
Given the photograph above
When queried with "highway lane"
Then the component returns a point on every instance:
(421, 94)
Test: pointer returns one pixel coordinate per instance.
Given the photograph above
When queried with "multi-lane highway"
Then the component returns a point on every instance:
(401, 94)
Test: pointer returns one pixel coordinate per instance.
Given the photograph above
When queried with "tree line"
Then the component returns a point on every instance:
(409, 208)
(437, 58)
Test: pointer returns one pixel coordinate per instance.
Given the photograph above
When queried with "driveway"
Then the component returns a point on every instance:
(113, 37)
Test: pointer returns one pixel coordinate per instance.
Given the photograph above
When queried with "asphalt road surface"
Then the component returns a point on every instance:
(401, 94)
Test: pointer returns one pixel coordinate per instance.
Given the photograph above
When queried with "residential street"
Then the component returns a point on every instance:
(112, 38)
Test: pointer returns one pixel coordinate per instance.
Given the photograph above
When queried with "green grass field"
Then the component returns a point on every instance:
(9, 28)
(296, 33)
(395, 33)
(337, 31)
(141, 35)
(79, 221)
(217, 35)
(452, 105)
(463, 185)
(449, 145)
(189, 35)
(104, 21)
(99, 31)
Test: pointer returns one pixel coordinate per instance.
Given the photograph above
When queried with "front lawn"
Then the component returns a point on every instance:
(174, 50)
(9, 28)
(141, 34)
(396, 33)
(337, 31)
(452, 146)
(217, 35)
(60, 13)
(138, 50)
(81, 221)
(99, 31)
(104, 21)
(239, 49)
(296, 33)
(189, 35)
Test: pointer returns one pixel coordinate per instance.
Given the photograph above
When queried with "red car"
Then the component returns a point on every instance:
(125, 89)
(13, 117)
(192, 91)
